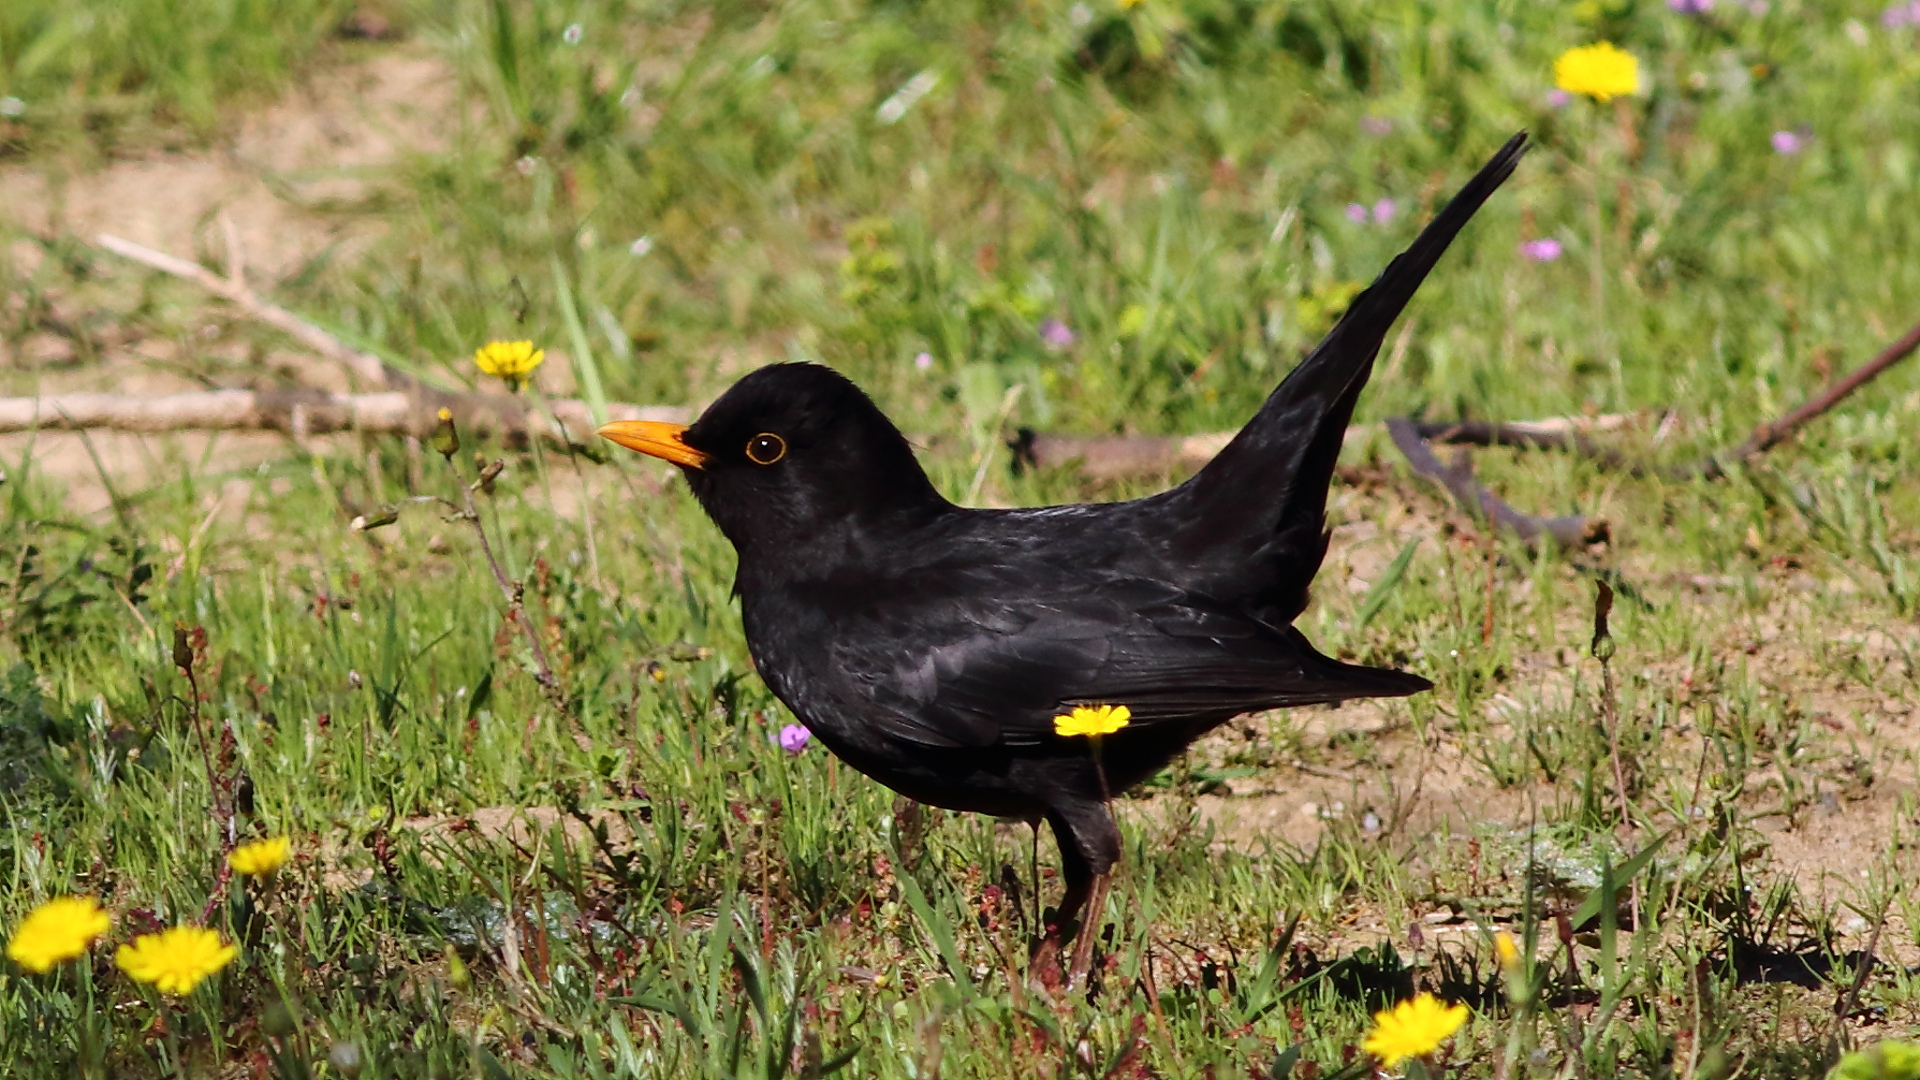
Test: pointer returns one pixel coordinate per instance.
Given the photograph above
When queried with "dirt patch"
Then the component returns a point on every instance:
(524, 826)
(1828, 706)
(282, 178)
(286, 182)
(527, 828)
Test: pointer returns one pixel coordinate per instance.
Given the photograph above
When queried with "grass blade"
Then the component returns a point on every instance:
(584, 364)
(1377, 595)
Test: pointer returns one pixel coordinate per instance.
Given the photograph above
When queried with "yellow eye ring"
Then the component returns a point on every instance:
(766, 448)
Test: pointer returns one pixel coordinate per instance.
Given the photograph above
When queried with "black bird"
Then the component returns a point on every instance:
(932, 646)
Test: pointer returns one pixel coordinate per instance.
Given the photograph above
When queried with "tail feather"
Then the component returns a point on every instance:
(1270, 483)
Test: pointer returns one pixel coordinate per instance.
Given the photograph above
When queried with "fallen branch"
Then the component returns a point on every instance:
(1557, 434)
(1110, 457)
(1569, 532)
(302, 413)
(1767, 436)
(369, 369)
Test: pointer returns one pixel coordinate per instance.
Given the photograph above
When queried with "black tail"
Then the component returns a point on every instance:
(1266, 493)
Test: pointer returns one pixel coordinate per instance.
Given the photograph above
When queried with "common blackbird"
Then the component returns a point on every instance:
(933, 646)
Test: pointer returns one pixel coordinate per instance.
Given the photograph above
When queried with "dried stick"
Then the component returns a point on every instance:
(370, 369)
(1766, 436)
(1458, 480)
(314, 412)
(1110, 457)
(1531, 435)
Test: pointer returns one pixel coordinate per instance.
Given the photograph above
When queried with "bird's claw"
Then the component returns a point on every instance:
(1043, 968)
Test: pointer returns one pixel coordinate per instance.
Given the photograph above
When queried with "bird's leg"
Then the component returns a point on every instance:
(1083, 940)
(1089, 843)
(1056, 930)
(1086, 829)
(1033, 873)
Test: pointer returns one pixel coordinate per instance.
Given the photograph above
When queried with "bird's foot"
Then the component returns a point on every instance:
(1043, 968)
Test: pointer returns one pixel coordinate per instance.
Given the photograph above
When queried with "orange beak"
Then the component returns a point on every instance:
(652, 437)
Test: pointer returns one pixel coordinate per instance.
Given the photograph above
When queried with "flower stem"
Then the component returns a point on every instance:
(1602, 340)
(93, 1044)
(515, 595)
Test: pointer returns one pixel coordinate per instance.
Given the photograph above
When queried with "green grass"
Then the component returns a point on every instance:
(1170, 181)
(96, 75)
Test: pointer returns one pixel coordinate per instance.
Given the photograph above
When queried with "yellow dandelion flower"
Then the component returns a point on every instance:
(509, 361)
(1602, 72)
(175, 960)
(1092, 721)
(60, 929)
(1413, 1029)
(262, 857)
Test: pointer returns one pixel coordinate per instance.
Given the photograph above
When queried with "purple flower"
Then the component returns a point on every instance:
(1789, 143)
(1691, 7)
(1383, 211)
(1376, 125)
(794, 738)
(1057, 335)
(1558, 98)
(1900, 15)
(1545, 249)
(1356, 213)
(923, 361)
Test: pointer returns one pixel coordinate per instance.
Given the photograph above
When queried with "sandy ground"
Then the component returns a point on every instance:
(283, 184)
(281, 177)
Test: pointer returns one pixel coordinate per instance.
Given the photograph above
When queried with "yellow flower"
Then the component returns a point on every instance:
(1602, 72)
(1413, 1029)
(260, 858)
(1092, 721)
(176, 960)
(57, 930)
(509, 361)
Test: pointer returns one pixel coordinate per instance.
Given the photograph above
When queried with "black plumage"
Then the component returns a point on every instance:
(931, 646)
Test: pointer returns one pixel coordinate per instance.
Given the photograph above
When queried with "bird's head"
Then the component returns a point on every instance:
(791, 456)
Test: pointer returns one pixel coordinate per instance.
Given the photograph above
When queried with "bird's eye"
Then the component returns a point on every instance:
(766, 448)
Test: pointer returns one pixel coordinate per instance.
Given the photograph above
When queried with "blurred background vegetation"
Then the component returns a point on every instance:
(861, 183)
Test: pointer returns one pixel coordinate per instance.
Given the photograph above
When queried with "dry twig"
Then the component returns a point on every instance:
(1110, 457)
(1767, 436)
(1457, 478)
(313, 412)
(369, 369)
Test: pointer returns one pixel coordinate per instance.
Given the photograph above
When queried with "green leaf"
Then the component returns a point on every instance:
(1620, 877)
(1890, 1060)
(940, 932)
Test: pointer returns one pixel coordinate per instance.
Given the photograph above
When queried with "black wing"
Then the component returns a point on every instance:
(981, 673)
